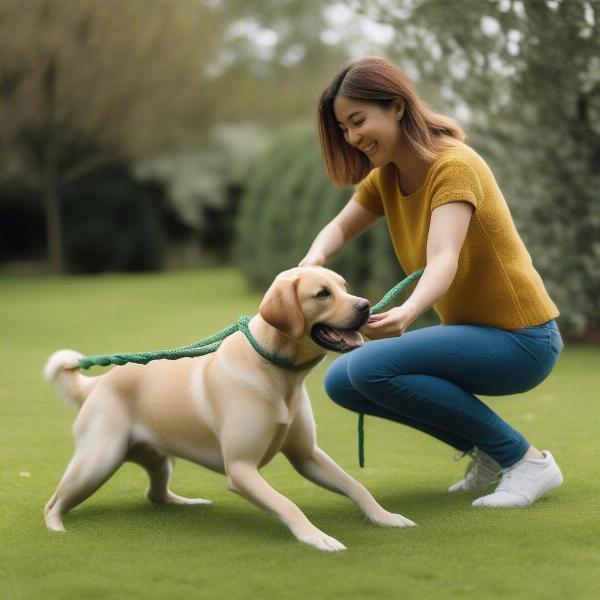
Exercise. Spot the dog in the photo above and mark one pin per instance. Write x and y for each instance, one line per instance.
(230, 411)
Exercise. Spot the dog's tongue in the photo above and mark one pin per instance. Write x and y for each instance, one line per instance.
(350, 337)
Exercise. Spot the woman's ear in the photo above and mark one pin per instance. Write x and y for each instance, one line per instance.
(281, 307)
(398, 109)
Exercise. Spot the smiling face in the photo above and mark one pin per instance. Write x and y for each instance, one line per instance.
(370, 128)
(313, 302)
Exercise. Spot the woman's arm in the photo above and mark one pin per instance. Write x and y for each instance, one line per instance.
(447, 231)
(352, 220)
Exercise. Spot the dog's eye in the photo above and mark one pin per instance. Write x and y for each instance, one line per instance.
(324, 293)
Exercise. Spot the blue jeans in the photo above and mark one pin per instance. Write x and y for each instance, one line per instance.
(427, 379)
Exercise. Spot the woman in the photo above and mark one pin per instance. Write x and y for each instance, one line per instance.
(446, 213)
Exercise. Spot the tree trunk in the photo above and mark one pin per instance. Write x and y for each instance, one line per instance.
(50, 187)
(50, 195)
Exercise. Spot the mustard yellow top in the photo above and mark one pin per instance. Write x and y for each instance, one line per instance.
(496, 283)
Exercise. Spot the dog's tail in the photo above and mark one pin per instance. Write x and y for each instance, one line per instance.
(62, 370)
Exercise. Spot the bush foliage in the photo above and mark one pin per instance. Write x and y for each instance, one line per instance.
(287, 201)
(111, 223)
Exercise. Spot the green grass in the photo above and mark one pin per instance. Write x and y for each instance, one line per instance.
(119, 546)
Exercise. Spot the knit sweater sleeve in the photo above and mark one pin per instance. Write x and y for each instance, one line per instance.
(368, 193)
(455, 180)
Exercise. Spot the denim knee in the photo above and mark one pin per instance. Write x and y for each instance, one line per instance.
(336, 381)
(363, 372)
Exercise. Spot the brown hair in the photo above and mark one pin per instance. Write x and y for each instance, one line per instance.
(381, 82)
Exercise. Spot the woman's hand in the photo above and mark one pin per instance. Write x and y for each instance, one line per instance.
(313, 259)
(391, 323)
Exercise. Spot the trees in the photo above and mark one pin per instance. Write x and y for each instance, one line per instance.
(277, 60)
(85, 82)
(529, 73)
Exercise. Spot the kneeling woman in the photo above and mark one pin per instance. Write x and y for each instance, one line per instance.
(446, 213)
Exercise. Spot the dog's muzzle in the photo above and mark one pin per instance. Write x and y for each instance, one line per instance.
(342, 338)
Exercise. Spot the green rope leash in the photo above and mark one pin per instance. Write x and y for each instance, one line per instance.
(199, 348)
(210, 344)
(379, 307)
(391, 295)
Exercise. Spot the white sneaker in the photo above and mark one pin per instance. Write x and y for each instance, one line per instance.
(482, 471)
(524, 482)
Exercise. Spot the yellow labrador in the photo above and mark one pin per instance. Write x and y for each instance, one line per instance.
(230, 411)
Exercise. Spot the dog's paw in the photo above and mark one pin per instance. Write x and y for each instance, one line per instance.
(171, 498)
(54, 523)
(388, 519)
(321, 541)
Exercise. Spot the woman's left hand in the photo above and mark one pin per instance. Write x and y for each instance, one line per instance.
(391, 323)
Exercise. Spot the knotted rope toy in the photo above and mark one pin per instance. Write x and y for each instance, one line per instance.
(210, 344)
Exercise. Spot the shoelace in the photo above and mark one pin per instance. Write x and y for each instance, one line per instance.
(506, 477)
(471, 466)
(478, 466)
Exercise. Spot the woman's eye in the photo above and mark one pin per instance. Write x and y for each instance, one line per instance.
(323, 294)
(359, 123)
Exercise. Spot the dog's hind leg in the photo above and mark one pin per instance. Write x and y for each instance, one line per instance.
(101, 443)
(159, 467)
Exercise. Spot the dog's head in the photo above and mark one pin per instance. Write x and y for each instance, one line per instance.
(313, 302)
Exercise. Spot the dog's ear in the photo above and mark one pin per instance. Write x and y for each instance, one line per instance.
(281, 307)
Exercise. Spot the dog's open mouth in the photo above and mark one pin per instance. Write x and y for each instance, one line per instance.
(338, 340)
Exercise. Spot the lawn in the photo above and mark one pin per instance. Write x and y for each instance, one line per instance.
(118, 545)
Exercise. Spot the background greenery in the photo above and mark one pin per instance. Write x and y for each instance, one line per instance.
(288, 198)
(118, 545)
(140, 135)
(203, 100)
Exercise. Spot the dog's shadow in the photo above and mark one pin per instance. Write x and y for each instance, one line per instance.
(237, 521)
(181, 521)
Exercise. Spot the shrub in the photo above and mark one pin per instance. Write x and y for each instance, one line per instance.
(287, 201)
(111, 223)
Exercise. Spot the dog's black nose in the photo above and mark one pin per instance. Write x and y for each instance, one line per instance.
(362, 306)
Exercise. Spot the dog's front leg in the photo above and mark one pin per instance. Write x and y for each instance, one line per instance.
(249, 437)
(319, 468)
(309, 460)
(244, 479)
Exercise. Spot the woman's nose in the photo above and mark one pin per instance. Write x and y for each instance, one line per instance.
(354, 138)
